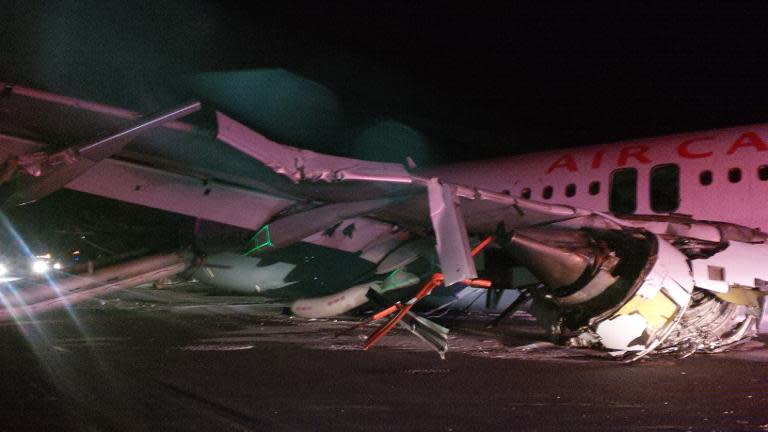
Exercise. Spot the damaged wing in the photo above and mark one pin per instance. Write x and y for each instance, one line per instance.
(171, 166)
(631, 285)
(627, 285)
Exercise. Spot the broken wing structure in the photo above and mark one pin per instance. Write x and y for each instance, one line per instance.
(632, 286)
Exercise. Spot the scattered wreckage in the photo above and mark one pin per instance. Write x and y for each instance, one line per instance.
(659, 285)
(632, 285)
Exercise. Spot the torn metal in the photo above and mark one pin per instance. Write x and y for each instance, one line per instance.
(630, 285)
(51, 172)
(655, 299)
(304, 165)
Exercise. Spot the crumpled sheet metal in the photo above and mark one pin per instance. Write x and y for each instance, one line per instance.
(711, 325)
(304, 165)
(653, 311)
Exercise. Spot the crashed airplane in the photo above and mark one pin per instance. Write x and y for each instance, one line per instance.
(649, 246)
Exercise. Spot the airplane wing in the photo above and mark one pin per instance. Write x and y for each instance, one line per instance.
(623, 284)
(176, 167)
(205, 173)
(626, 284)
(420, 204)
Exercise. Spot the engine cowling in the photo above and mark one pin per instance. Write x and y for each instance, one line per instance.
(624, 290)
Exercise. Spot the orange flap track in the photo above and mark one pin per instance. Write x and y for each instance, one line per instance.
(426, 289)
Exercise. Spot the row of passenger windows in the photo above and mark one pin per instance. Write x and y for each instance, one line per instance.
(734, 175)
(664, 185)
(570, 190)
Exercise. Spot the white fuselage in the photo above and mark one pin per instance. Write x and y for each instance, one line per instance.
(733, 157)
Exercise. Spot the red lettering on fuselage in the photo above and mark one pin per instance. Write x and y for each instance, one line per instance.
(567, 162)
(692, 148)
(747, 139)
(597, 159)
(637, 152)
(684, 149)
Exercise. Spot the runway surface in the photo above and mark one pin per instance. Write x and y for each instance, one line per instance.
(161, 360)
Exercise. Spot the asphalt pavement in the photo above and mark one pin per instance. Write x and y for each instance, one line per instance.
(162, 360)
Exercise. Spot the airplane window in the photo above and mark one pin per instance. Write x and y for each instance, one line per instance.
(623, 198)
(665, 188)
(526, 193)
(547, 192)
(594, 188)
(762, 172)
(734, 175)
(705, 178)
(570, 190)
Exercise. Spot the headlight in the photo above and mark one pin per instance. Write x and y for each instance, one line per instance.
(3, 270)
(40, 266)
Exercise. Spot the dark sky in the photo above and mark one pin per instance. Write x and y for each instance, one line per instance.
(476, 81)
(448, 83)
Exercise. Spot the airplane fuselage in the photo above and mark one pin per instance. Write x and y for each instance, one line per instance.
(715, 175)
(626, 290)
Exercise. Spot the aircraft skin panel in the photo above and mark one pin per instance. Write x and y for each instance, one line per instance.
(482, 209)
(357, 235)
(742, 148)
(176, 193)
(298, 164)
(51, 122)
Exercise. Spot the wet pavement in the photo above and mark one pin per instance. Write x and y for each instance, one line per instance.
(161, 360)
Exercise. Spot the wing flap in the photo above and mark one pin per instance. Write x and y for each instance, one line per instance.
(206, 199)
(452, 246)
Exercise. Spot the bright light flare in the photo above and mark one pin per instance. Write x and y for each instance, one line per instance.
(58, 266)
(40, 267)
(3, 270)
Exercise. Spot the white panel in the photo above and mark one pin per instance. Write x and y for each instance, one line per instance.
(617, 333)
(743, 263)
(179, 194)
(670, 272)
(353, 235)
(453, 249)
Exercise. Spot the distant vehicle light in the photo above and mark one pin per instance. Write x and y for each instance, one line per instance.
(40, 267)
(58, 266)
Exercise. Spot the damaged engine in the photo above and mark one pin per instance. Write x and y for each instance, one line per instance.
(665, 285)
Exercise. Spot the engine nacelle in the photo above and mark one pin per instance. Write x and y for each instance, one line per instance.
(633, 291)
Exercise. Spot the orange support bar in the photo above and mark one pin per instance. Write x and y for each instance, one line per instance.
(382, 331)
(388, 311)
(427, 288)
(478, 283)
(480, 246)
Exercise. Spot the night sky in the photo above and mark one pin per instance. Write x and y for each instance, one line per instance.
(447, 83)
(474, 81)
